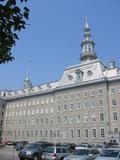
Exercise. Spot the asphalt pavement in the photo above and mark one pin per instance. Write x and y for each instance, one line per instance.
(8, 153)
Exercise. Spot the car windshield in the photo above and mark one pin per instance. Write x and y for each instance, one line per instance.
(81, 152)
(110, 153)
(32, 145)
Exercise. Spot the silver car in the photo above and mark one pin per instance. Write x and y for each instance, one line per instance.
(109, 154)
(83, 154)
(55, 153)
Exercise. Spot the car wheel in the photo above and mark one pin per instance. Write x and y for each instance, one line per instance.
(61, 158)
(35, 157)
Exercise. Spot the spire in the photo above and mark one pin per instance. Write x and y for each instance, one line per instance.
(27, 82)
(87, 45)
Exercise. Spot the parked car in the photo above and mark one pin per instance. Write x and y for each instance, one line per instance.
(32, 151)
(10, 143)
(109, 154)
(83, 154)
(20, 145)
(55, 153)
(83, 145)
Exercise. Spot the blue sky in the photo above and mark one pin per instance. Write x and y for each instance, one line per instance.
(52, 41)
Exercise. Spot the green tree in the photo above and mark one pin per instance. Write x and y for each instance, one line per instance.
(13, 16)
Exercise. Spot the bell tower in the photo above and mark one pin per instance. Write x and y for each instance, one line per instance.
(88, 53)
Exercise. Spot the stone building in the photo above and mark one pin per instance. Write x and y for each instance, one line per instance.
(83, 106)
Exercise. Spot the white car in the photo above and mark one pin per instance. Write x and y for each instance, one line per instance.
(83, 154)
(109, 154)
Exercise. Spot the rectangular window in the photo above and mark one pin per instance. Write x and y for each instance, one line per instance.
(113, 91)
(94, 133)
(93, 118)
(92, 92)
(93, 104)
(78, 133)
(71, 119)
(58, 120)
(100, 92)
(65, 107)
(71, 134)
(78, 119)
(65, 119)
(51, 133)
(101, 117)
(102, 133)
(85, 105)
(78, 95)
(86, 133)
(115, 130)
(115, 116)
(86, 119)
(41, 133)
(46, 133)
(78, 106)
(101, 103)
(114, 103)
(84, 93)
(64, 134)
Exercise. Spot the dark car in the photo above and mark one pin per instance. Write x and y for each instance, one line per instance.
(32, 151)
(20, 145)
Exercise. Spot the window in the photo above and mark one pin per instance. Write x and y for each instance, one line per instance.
(86, 133)
(113, 91)
(78, 119)
(51, 133)
(115, 130)
(65, 119)
(65, 97)
(102, 133)
(114, 103)
(64, 135)
(94, 133)
(71, 119)
(84, 93)
(93, 104)
(100, 92)
(101, 116)
(78, 95)
(115, 116)
(78, 133)
(41, 133)
(71, 107)
(58, 133)
(71, 133)
(65, 107)
(46, 120)
(93, 118)
(86, 119)
(89, 73)
(78, 106)
(46, 133)
(92, 92)
(101, 104)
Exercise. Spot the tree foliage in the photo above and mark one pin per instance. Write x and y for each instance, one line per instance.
(13, 16)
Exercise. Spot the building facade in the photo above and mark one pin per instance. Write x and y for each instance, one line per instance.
(83, 106)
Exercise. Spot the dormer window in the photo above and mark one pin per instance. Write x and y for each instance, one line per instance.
(79, 74)
(89, 73)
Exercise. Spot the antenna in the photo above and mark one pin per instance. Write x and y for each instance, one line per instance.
(28, 68)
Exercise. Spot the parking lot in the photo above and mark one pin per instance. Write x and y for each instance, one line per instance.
(8, 153)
